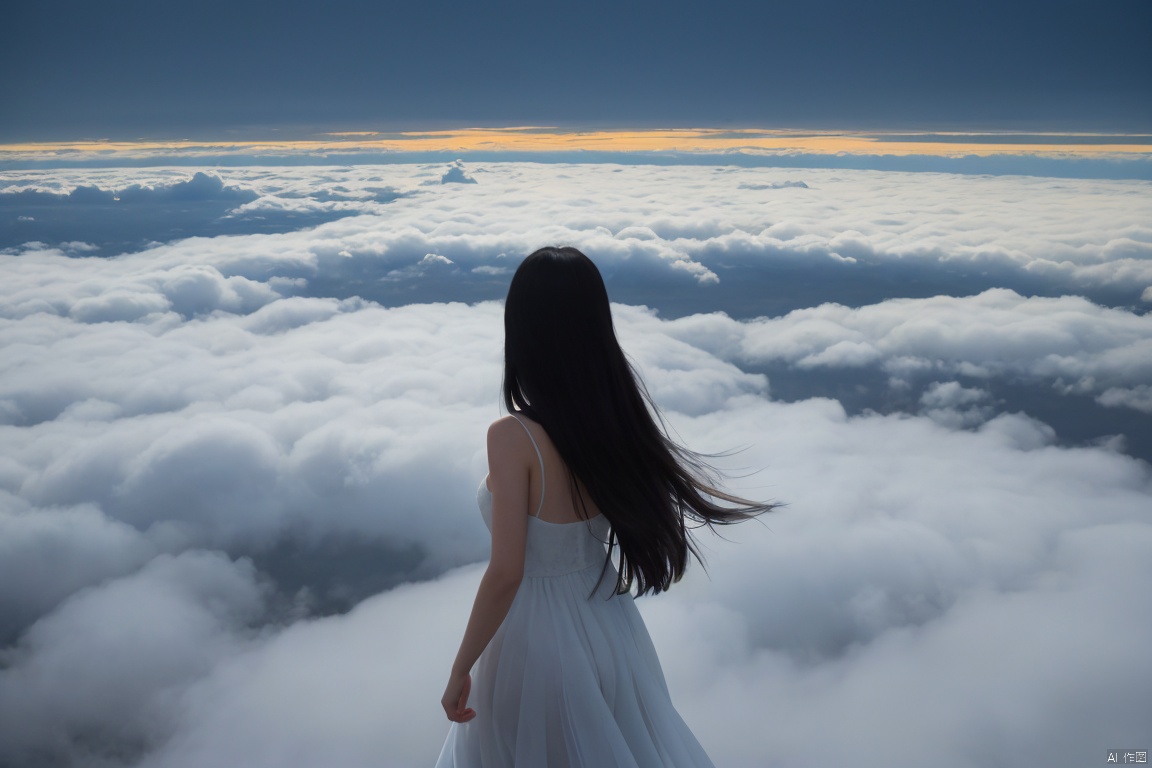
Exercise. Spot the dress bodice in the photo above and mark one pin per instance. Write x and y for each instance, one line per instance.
(554, 549)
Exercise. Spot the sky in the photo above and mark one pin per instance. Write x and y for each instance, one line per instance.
(71, 69)
(891, 262)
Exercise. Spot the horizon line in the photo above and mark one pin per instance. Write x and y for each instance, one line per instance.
(533, 139)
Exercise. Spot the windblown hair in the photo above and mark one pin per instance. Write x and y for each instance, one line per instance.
(564, 368)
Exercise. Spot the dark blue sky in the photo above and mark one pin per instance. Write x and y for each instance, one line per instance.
(129, 68)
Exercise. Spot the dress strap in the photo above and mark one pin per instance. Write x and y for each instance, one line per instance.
(541, 463)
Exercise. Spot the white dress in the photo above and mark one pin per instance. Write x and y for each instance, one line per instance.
(571, 678)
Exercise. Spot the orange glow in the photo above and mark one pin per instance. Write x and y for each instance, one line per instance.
(539, 139)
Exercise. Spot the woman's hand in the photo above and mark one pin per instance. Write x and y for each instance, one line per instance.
(456, 698)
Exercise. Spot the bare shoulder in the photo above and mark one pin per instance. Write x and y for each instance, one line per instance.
(507, 436)
(504, 427)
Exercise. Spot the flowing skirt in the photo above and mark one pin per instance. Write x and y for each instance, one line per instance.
(571, 680)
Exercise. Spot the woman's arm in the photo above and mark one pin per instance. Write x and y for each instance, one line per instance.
(510, 458)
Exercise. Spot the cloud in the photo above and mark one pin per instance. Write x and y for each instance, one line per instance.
(264, 404)
(201, 186)
(902, 581)
(125, 294)
(92, 681)
(856, 237)
(122, 212)
(311, 695)
(953, 405)
(48, 554)
(1067, 342)
(1138, 397)
(456, 175)
(774, 185)
(431, 262)
(856, 605)
(237, 520)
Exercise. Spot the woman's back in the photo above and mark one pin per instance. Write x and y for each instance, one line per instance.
(553, 547)
(559, 504)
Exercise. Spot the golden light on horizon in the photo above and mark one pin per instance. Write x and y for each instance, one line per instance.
(694, 140)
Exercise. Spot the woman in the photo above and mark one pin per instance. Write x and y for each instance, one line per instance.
(565, 673)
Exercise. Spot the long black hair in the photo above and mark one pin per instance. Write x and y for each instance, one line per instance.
(564, 368)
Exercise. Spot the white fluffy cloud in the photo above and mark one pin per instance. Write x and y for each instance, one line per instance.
(48, 554)
(1068, 341)
(896, 606)
(892, 577)
(191, 450)
(303, 405)
(700, 222)
(102, 667)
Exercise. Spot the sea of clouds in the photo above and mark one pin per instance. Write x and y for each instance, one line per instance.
(243, 415)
